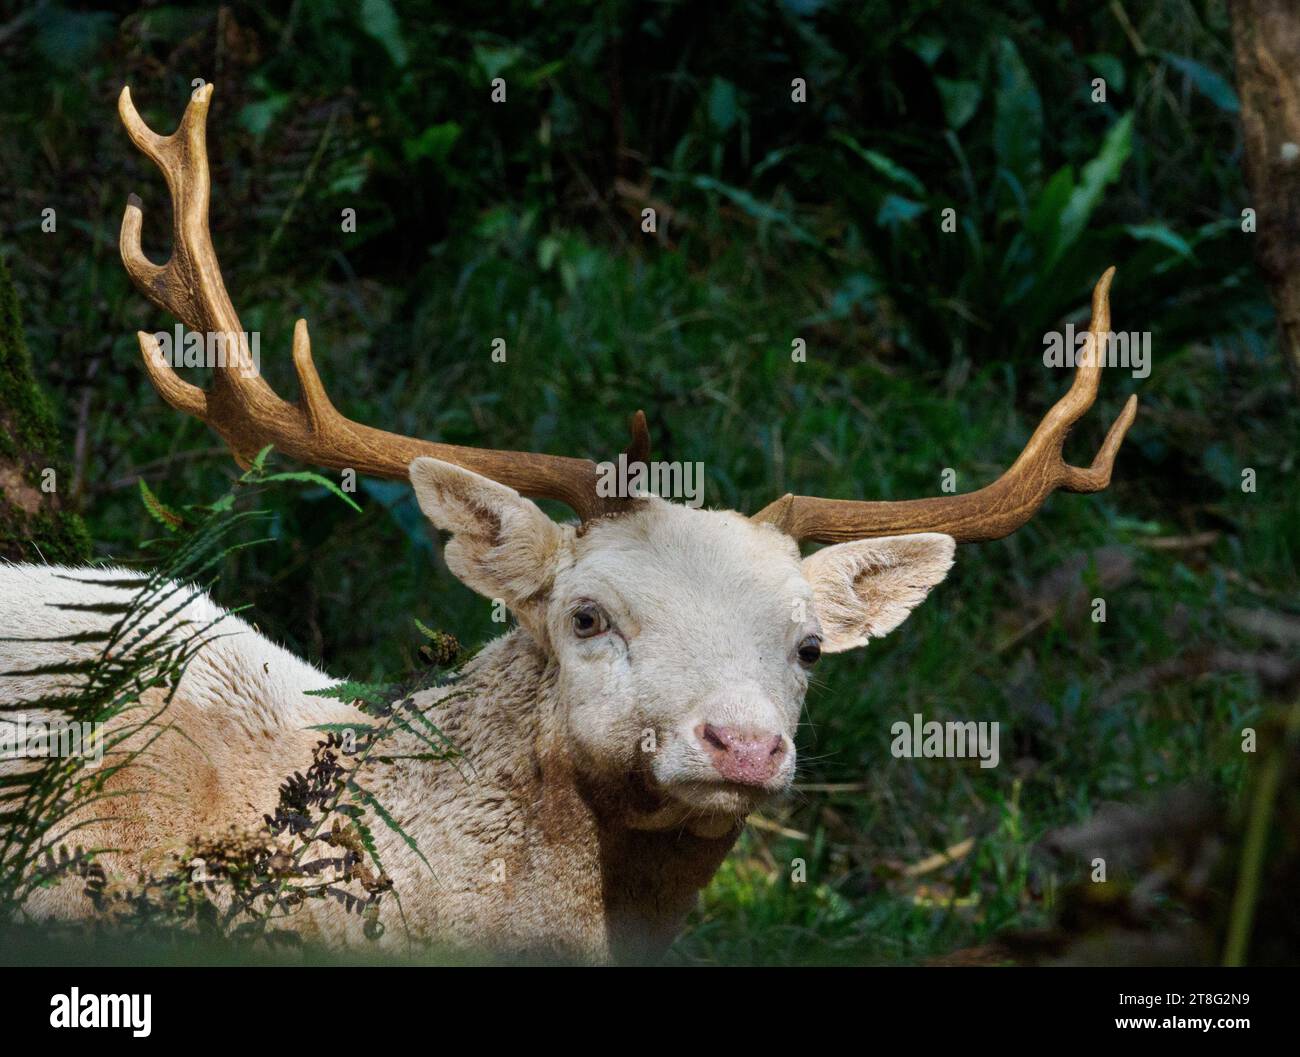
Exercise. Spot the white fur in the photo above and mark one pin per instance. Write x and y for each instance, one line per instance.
(587, 812)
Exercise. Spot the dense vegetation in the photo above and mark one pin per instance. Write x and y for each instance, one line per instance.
(777, 220)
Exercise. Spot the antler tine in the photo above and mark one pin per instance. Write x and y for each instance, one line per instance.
(180, 394)
(1000, 508)
(189, 285)
(638, 449)
(315, 402)
(240, 406)
(1081, 396)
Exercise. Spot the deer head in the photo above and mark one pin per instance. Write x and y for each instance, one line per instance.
(680, 641)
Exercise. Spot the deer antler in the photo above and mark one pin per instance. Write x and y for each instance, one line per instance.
(998, 509)
(240, 406)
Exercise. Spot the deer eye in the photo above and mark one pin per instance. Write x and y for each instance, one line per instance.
(589, 620)
(810, 651)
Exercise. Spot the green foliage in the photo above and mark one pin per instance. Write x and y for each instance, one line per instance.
(33, 523)
(776, 220)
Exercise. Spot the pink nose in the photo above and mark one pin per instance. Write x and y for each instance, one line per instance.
(743, 754)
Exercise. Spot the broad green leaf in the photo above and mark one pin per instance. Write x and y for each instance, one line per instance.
(379, 19)
(258, 117)
(885, 166)
(546, 72)
(434, 142)
(1109, 68)
(1104, 169)
(1017, 117)
(1164, 236)
(960, 100)
(1217, 90)
(896, 209)
(1044, 221)
(928, 48)
(760, 211)
(547, 250)
(495, 61)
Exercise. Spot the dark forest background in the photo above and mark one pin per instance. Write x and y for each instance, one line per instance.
(777, 220)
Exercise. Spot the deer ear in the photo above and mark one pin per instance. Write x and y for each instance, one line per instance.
(501, 545)
(865, 589)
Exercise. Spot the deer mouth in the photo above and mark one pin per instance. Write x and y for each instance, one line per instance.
(714, 797)
(693, 797)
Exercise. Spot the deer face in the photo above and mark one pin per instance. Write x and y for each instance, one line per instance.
(683, 640)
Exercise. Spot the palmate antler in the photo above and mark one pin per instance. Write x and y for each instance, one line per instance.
(248, 415)
(1000, 508)
(240, 406)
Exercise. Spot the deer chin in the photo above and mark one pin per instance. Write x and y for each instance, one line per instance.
(679, 815)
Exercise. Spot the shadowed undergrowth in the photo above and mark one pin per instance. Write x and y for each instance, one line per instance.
(924, 353)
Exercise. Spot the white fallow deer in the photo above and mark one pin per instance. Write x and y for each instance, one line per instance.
(617, 738)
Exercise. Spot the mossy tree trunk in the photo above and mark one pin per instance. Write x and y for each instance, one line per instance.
(1266, 39)
(34, 525)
